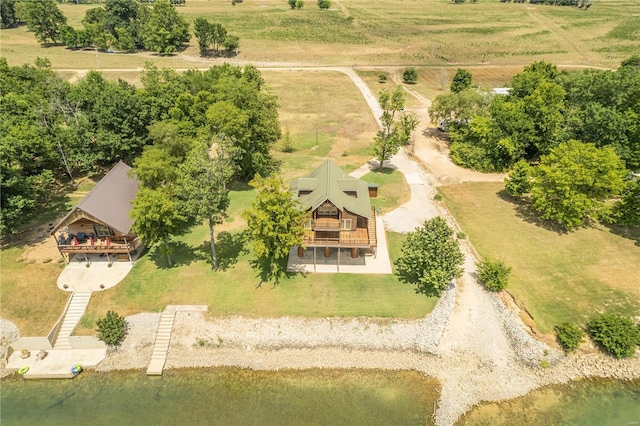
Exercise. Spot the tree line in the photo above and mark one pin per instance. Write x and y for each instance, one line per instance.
(580, 127)
(52, 130)
(123, 25)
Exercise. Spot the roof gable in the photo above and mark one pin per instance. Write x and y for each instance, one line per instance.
(330, 182)
(110, 201)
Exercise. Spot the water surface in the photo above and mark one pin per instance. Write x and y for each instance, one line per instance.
(226, 396)
(584, 403)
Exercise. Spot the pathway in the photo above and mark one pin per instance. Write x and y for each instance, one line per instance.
(161, 346)
(75, 311)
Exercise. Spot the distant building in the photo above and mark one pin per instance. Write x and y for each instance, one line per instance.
(501, 90)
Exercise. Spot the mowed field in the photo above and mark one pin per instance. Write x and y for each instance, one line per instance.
(396, 32)
(557, 277)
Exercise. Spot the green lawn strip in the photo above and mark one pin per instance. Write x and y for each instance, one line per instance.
(236, 290)
(392, 190)
(558, 277)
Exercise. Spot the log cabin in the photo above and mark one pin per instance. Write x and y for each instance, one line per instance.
(100, 223)
(339, 209)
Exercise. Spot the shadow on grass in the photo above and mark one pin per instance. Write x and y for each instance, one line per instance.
(265, 271)
(525, 211)
(229, 247)
(181, 254)
(630, 233)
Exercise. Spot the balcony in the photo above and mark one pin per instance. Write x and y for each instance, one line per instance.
(100, 246)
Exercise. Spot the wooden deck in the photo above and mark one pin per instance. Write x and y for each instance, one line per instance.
(360, 237)
(100, 247)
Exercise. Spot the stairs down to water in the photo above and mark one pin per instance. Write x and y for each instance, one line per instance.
(161, 346)
(75, 311)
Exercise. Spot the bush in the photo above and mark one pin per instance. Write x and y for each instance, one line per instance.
(437, 197)
(494, 274)
(461, 235)
(616, 334)
(324, 4)
(410, 75)
(569, 335)
(112, 328)
(382, 78)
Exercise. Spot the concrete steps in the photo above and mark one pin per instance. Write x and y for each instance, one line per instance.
(75, 311)
(161, 346)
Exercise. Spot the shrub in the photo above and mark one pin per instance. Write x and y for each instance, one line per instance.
(569, 335)
(324, 4)
(437, 197)
(287, 143)
(112, 328)
(616, 334)
(382, 78)
(410, 75)
(494, 274)
(461, 235)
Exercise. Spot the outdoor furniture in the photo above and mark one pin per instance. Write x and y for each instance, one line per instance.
(81, 236)
(41, 355)
(25, 354)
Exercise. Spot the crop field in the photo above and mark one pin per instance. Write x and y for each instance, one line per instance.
(395, 32)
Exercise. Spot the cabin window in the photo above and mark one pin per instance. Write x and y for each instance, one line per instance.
(102, 231)
(345, 225)
(327, 210)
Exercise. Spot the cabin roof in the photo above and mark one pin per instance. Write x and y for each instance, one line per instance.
(330, 182)
(110, 201)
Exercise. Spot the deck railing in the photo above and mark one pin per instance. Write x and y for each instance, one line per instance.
(310, 241)
(87, 247)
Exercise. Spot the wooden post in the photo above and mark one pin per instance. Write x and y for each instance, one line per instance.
(314, 259)
(338, 259)
(327, 251)
(300, 251)
(354, 252)
(128, 252)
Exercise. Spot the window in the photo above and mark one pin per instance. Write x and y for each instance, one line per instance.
(308, 224)
(327, 209)
(102, 231)
(345, 225)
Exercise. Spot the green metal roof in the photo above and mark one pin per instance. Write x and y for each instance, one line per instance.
(329, 182)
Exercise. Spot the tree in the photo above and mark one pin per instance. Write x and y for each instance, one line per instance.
(627, 210)
(201, 29)
(461, 81)
(574, 181)
(494, 274)
(112, 328)
(292, 3)
(393, 134)
(44, 19)
(616, 334)
(457, 107)
(275, 223)
(166, 30)
(324, 4)
(443, 78)
(519, 181)
(8, 15)
(204, 176)
(430, 257)
(410, 75)
(158, 215)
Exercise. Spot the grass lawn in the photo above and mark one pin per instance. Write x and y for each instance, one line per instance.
(29, 296)
(558, 277)
(327, 103)
(236, 290)
(392, 190)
